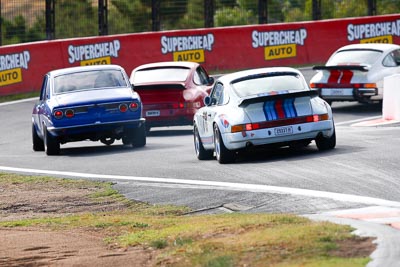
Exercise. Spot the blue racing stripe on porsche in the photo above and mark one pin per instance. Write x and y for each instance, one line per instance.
(271, 112)
(290, 109)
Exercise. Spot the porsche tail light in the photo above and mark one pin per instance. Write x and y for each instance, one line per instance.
(335, 85)
(365, 85)
(123, 107)
(69, 113)
(133, 106)
(278, 123)
(58, 114)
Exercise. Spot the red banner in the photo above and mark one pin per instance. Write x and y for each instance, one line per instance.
(219, 49)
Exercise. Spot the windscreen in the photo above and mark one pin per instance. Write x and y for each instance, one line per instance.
(269, 84)
(354, 57)
(157, 75)
(89, 80)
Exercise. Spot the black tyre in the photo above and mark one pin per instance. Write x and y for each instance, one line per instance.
(326, 143)
(107, 141)
(38, 144)
(128, 136)
(201, 153)
(148, 128)
(51, 144)
(222, 154)
(139, 136)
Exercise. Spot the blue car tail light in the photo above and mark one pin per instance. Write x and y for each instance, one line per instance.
(69, 113)
(133, 106)
(58, 114)
(123, 107)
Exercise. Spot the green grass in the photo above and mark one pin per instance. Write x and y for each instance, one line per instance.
(208, 240)
(18, 96)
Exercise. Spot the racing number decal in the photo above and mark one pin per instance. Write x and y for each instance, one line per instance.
(340, 76)
(204, 122)
(280, 109)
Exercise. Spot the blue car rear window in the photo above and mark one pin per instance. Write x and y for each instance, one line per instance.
(88, 80)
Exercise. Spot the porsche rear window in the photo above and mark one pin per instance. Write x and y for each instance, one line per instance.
(168, 74)
(261, 85)
(354, 57)
(88, 80)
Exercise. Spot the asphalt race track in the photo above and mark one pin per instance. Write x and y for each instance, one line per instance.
(361, 171)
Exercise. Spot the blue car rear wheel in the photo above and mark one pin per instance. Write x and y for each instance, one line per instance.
(38, 144)
(51, 144)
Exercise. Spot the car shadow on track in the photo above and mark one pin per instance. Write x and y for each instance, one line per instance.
(169, 132)
(97, 150)
(270, 155)
(355, 108)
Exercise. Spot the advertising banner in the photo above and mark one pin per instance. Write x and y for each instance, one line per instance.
(219, 49)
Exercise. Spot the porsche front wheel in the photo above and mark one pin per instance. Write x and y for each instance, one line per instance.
(222, 154)
(201, 153)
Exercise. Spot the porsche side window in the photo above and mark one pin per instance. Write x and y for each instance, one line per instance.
(217, 95)
(392, 59)
(396, 56)
(200, 77)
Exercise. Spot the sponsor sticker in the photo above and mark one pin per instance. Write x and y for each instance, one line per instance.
(280, 51)
(387, 39)
(191, 55)
(96, 61)
(12, 76)
(187, 48)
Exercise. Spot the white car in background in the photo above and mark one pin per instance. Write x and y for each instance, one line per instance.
(266, 106)
(355, 72)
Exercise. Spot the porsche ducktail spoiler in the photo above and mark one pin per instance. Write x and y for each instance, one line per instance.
(341, 67)
(251, 100)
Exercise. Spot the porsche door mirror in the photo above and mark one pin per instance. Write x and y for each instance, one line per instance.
(207, 101)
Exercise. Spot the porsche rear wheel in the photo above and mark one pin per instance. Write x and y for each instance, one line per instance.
(326, 143)
(222, 154)
(38, 144)
(51, 144)
(201, 153)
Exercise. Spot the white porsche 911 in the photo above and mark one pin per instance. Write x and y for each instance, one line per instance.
(355, 72)
(266, 106)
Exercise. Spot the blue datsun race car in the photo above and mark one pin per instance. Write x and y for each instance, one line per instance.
(266, 106)
(87, 103)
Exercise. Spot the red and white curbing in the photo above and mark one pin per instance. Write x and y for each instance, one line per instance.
(376, 122)
(374, 214)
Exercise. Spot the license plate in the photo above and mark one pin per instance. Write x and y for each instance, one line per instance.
(337, 92)
(284, 130)
(152, 113)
